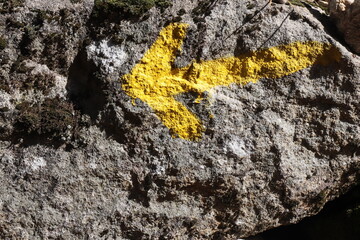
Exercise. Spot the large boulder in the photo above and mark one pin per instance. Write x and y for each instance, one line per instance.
(346, 14)
(109, 131)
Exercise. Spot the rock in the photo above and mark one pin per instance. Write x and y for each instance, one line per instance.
(324, 4)
(109, 165)
(339, 219)
(346, 14)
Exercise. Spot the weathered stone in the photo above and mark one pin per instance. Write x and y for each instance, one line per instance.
(271, 152)
(346, 14)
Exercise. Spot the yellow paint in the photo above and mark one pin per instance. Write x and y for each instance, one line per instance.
(156, 82)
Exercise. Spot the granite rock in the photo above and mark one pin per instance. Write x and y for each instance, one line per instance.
(346, 14)
(79, 158)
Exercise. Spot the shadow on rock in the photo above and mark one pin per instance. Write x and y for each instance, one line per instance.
(85, 88)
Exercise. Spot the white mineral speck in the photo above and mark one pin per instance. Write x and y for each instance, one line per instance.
(35, 163)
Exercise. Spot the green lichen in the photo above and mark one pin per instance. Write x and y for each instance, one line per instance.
(162, 4)
(297, 3)
(8, 6)
(312, 3)
(52, 118)
(4, 85)
(128, 7)
(2, 43)
(12, 23)
(39, 82)
(25, 81)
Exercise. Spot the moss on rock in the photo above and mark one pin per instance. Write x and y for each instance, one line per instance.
(7, 6)
(128, 7)
(312, 3)
(2, 43)
(52, 118)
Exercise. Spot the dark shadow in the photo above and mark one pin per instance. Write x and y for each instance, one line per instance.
(241, 47)
(29, 140)
(339, 220)
(107, 12)
(320, 71)
(139, 191)
(45, 124)
(86, 86)
(113, 126)
(276, 30)
(85, 89)
(329, 25)
(204, 8)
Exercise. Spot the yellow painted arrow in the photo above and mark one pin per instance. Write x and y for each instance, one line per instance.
(156, 82)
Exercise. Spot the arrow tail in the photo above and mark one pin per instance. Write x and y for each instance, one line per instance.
(272, 63)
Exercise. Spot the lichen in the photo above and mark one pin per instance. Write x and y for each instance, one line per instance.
(156, 82)
(7, 6)
(2, 43)
(312, 3)
(129, 7)
(28, 81)
(51, 118)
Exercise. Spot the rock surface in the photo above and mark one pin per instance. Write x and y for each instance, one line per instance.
(347, 17)
(79, 158)
(339, 219)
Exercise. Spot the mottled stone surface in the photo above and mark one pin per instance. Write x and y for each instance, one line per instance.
(346, 14)
(80, 160)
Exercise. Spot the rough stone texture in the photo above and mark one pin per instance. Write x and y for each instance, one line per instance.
(346, 14)
(339, 219)
(274, 152)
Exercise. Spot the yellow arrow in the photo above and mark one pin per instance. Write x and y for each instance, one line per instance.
(156, 82)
